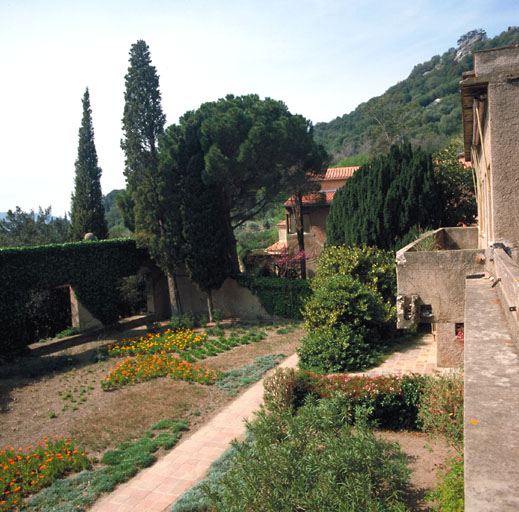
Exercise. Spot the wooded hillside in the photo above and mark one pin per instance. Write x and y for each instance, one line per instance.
(423, 109)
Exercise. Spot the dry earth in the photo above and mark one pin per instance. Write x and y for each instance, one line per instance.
(65, 399)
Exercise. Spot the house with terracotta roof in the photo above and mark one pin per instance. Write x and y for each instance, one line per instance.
(316, 207)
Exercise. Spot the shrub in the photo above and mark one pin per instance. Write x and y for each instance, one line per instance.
(311, 461)
(187, 321)
(336, 350)
(93, 269)
(369, 265)
(288, 388)
(391, 402)
(441, 407)
(349, 316)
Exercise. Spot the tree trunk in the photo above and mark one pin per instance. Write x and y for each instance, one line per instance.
(176, 295)
(297, 208)
(233, 253)
(210, 305)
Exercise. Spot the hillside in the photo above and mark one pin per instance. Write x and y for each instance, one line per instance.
(423, 109)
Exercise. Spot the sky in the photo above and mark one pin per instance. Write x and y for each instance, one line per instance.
(321, 57)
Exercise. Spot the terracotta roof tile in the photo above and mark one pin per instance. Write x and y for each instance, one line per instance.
(317, 198)
(339, 173)
(277, 247)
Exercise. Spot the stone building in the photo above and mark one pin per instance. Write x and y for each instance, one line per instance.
(316, 208)
(465, 282)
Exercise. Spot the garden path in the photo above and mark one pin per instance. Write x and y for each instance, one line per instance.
(158, 487)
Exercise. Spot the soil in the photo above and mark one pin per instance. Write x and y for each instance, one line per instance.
(60, 394)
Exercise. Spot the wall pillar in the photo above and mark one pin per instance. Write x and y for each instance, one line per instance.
(449, 350)
(82, 319)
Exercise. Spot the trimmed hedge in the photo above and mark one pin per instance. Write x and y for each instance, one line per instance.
(91, 268)
(281, 297)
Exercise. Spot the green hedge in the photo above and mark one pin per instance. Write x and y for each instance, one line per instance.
(91, 268)
(282, 297)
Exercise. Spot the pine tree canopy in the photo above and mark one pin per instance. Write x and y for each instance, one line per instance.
(87, 210)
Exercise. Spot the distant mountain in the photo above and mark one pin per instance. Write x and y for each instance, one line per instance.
(424, 108)
(3, 215)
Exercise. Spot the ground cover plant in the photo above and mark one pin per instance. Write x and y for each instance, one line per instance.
(80, 491)
(24, 472)
(450, 492)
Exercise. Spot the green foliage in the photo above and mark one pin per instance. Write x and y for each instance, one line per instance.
(288, 388)
(69, 331)
(205, 239)
(384, 200)
(371, 266)
(187, 321)
(91, 268)
(456, 186)
(261, 231)
(441, 408)
(450, 492)
(311, 461)
(350, 315)
(125, 206)
(87, 210)
(353, 161)
(113, 216)
(345, 320)
(282, 297)
(408, 109)
(21, 228)
(389, 402)
(150, 206)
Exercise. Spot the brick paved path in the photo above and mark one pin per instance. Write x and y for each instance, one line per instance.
(157, 488)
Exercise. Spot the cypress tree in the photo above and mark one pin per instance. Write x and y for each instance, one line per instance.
(151, 183)
(205, 244)
(385, 199)
(87, 210)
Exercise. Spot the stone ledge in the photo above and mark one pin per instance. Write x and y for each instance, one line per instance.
(491, 403)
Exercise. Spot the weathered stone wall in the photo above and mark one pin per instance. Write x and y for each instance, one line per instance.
(497, 159)
(231, 299)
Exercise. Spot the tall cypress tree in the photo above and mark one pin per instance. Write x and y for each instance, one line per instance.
(87, 210)
(151, 186)
(385, 199)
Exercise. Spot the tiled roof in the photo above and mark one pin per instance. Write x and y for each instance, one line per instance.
(317, 198)
(281, 223)
(339, 173)
(277, 247)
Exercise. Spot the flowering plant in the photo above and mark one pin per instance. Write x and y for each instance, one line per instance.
(147, 367)
(24, 472)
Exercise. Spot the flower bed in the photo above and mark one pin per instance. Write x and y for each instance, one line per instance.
(143, 368)
(24, 472)
(156, 343)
